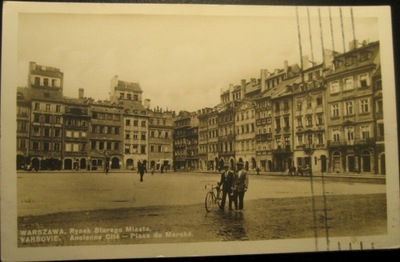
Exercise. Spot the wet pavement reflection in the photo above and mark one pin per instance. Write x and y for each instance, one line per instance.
(229, 225)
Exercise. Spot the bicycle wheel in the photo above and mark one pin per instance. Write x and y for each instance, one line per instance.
(209, 201)
(219, 198)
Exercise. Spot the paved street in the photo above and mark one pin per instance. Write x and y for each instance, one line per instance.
(94, 208)
(45, 193)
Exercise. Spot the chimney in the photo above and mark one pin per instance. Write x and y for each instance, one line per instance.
(243, 87)
(353, 44)
(285, 66)
(264, 75)
(81, 93)
(306, 62)
(147, 104)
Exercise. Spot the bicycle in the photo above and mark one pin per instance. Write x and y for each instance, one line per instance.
(213, 197)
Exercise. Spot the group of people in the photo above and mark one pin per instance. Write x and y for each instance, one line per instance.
(301, 171)
(234, 186)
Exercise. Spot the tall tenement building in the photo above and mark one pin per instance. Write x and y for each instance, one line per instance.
(354, 111)
(327, 116)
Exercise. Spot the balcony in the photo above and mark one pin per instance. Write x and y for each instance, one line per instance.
(308, 148)
(282, 150)
(264, 137)
(364, 142)
(339, 143)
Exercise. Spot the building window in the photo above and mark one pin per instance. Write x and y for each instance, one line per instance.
(37, 81)
(381, 132)
(320, 119)
(309, 102)
(101, 145)
(143, 149)
(319, 101)
(309, 120)
(35, 146)
(37, 106)
(121, 95)
(57, 132)
(135, 122)
(349, 131)
(127, 135)
(336, 136)
(93, 144)
(320, 138)
(363, 80)
(129, 96)
(46, 82)
(365, 132)
(117, 130)
(143, 136)
(300, 139)
(47, 119)
(364, 106)
(22, 144)
(286, 119)
(36, 131)
(143, 123)
(335, 110)
(348, 84)
(278, 123)
(334, 87)
(57, 146)
(47, 132)
(46, 146)
(135, 97)
(36, 118)
(379, 106)
(126, 150)
(299, 121)
(349, 108)
(116, 146)
(108, 145)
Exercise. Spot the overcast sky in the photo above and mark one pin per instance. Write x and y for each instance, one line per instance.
(181, 62)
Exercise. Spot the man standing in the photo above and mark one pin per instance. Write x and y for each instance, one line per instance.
(227, 187)
(141, 170)
(241, 184)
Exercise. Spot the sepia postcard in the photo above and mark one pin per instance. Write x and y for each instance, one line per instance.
(167, 130)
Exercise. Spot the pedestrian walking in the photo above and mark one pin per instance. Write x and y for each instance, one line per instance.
(241, 182)
(141, 170)
(226, 185)
(152, 170)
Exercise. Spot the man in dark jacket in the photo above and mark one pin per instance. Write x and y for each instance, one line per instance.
(227, 186)
(241, 183)
(141, 170)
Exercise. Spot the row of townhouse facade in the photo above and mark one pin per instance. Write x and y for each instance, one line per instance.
(326, 116)
(55, 132)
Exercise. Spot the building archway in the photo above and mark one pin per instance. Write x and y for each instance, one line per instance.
(35, 164)
(323, 163)
(366, 161)
(82, 163)
(336, 161)
(21, 162)
(221, 164)
(382, 164)
(253, 163)
(129, 163)
(68, 164)
(115, 163)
